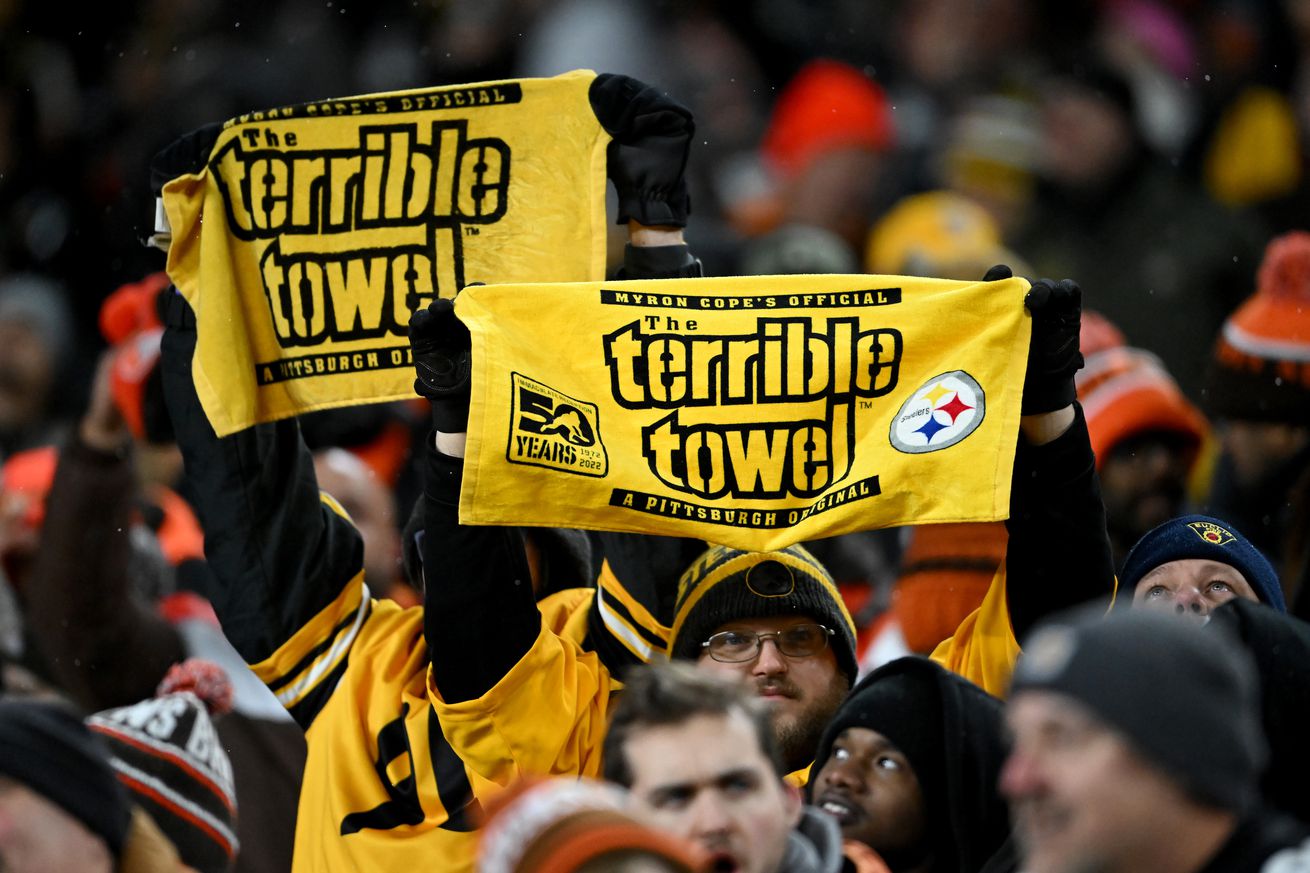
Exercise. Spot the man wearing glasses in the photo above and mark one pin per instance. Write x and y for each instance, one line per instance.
(777, 621)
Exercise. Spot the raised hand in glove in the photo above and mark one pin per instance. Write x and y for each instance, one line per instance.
(650, 137)
(1053, 354)
(443, 363)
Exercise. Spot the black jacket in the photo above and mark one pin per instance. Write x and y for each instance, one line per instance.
(1263, 844)
(960, 730)
(1279, 645)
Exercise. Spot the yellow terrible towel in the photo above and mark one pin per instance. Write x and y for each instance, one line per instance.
(313, 231)
(754, 412)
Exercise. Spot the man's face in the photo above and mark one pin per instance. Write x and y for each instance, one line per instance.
(1080, 798)
(870, 788)
(803, 692)
(1191, 587)
(1086, 138)
(708, 780)
(1144, 483)
(36, 836)
(1256, 448)
(26, 371)
(369, 505)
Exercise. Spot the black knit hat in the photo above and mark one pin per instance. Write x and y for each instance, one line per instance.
(48, 749)
(1184, 697)
(725, 585)
(1203, 538)
(904, 705)
(951, 731)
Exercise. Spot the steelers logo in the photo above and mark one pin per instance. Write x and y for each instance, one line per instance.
(770, 579)
(1212, 533)
(944, 411)
(1047, 654)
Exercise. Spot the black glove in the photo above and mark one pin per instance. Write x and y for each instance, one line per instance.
(1053, 355)
(186, 154)
(443, 361)
(650, 137)
(660, 262)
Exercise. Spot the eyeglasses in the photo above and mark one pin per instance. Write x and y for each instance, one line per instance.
(797, 641)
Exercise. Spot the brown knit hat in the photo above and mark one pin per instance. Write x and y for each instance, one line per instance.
(1261, 366)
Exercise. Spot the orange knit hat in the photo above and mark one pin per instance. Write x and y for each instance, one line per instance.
(1261, 367)
(945, 573)
(1126, 391)
(557, 825)
(827, 105)
(1098, 333)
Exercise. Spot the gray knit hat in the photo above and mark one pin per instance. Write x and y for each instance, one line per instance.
(42, 305)
(1185, 697)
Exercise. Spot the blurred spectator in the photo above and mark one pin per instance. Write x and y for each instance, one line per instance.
(1256, 153)
(1250, 149)
(379, 434)
(129, 322)
(131, 635)
(953, 69)
(604, 35)
(989, 153)
(36, 337)
(1152, 43)
(1146, 436)
(577, 826)
(102, 629)
(1258, 388)
(61, 809)
(1279, 646)
(370, 506)
(822, 152)
(1137, 746)
(946, 571)
(795, 249)
(1154, 253)
(939, 234)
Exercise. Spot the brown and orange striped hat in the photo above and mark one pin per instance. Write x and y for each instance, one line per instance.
(1261, 366)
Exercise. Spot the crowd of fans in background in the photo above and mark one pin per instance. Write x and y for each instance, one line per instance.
(1158, 151)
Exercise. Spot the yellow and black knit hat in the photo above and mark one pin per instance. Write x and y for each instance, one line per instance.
(725, 585)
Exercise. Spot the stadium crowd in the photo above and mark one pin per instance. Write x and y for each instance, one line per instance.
(279, 648)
